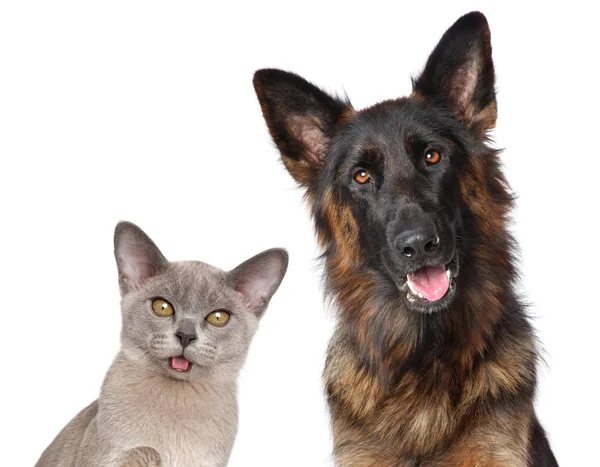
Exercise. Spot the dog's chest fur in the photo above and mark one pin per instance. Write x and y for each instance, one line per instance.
(423, 417)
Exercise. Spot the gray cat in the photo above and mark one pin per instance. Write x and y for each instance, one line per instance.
(169, 398)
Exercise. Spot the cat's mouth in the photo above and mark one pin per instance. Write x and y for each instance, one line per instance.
(180, 364)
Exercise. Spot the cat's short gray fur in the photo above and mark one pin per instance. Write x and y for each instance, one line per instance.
(148, 414)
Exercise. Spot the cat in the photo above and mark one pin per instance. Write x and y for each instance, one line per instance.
(169, 397)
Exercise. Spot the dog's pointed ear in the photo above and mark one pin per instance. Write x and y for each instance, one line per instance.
(300, 117)
(460, 74)
(138, 258)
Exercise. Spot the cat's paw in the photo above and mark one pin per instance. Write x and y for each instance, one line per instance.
(142, 456)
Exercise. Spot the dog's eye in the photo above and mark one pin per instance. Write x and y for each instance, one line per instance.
(218, 318)
(432, 157)
(162, 308)
(361, 176)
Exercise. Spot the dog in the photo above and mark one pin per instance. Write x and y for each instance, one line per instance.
(433, 360)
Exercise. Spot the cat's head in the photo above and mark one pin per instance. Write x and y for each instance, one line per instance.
(187, 319)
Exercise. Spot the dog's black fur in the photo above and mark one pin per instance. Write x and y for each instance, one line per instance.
(400, 186)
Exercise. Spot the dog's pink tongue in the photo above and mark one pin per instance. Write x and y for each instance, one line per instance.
(180, 363)
(431, 282)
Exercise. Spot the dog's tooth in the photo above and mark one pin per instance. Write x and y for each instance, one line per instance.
(448, 273)
(420, 295)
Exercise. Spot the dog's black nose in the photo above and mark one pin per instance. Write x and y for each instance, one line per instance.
(418, 243)
(185, 338)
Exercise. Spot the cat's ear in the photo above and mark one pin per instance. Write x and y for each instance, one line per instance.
(258, 278)
(460, 74)
(138, 258)
(300, 117)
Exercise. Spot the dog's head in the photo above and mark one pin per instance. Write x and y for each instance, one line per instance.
(395, 187)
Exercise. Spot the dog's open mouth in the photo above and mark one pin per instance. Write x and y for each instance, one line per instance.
(180, 364)
(431, 283)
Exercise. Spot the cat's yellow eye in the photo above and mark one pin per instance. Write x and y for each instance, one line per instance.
(162, 308)
(218, 318)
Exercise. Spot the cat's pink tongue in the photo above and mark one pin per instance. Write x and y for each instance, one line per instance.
(180, 363)
(431, 282)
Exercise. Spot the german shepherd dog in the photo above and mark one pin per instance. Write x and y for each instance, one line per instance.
(433, 360)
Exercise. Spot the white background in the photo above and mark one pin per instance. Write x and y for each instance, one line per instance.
(145, 111)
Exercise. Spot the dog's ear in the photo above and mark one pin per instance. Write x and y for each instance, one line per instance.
(460, 74)
(300, 117)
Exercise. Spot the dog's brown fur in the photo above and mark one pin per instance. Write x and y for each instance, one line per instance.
(454, 388)
(451, 406)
